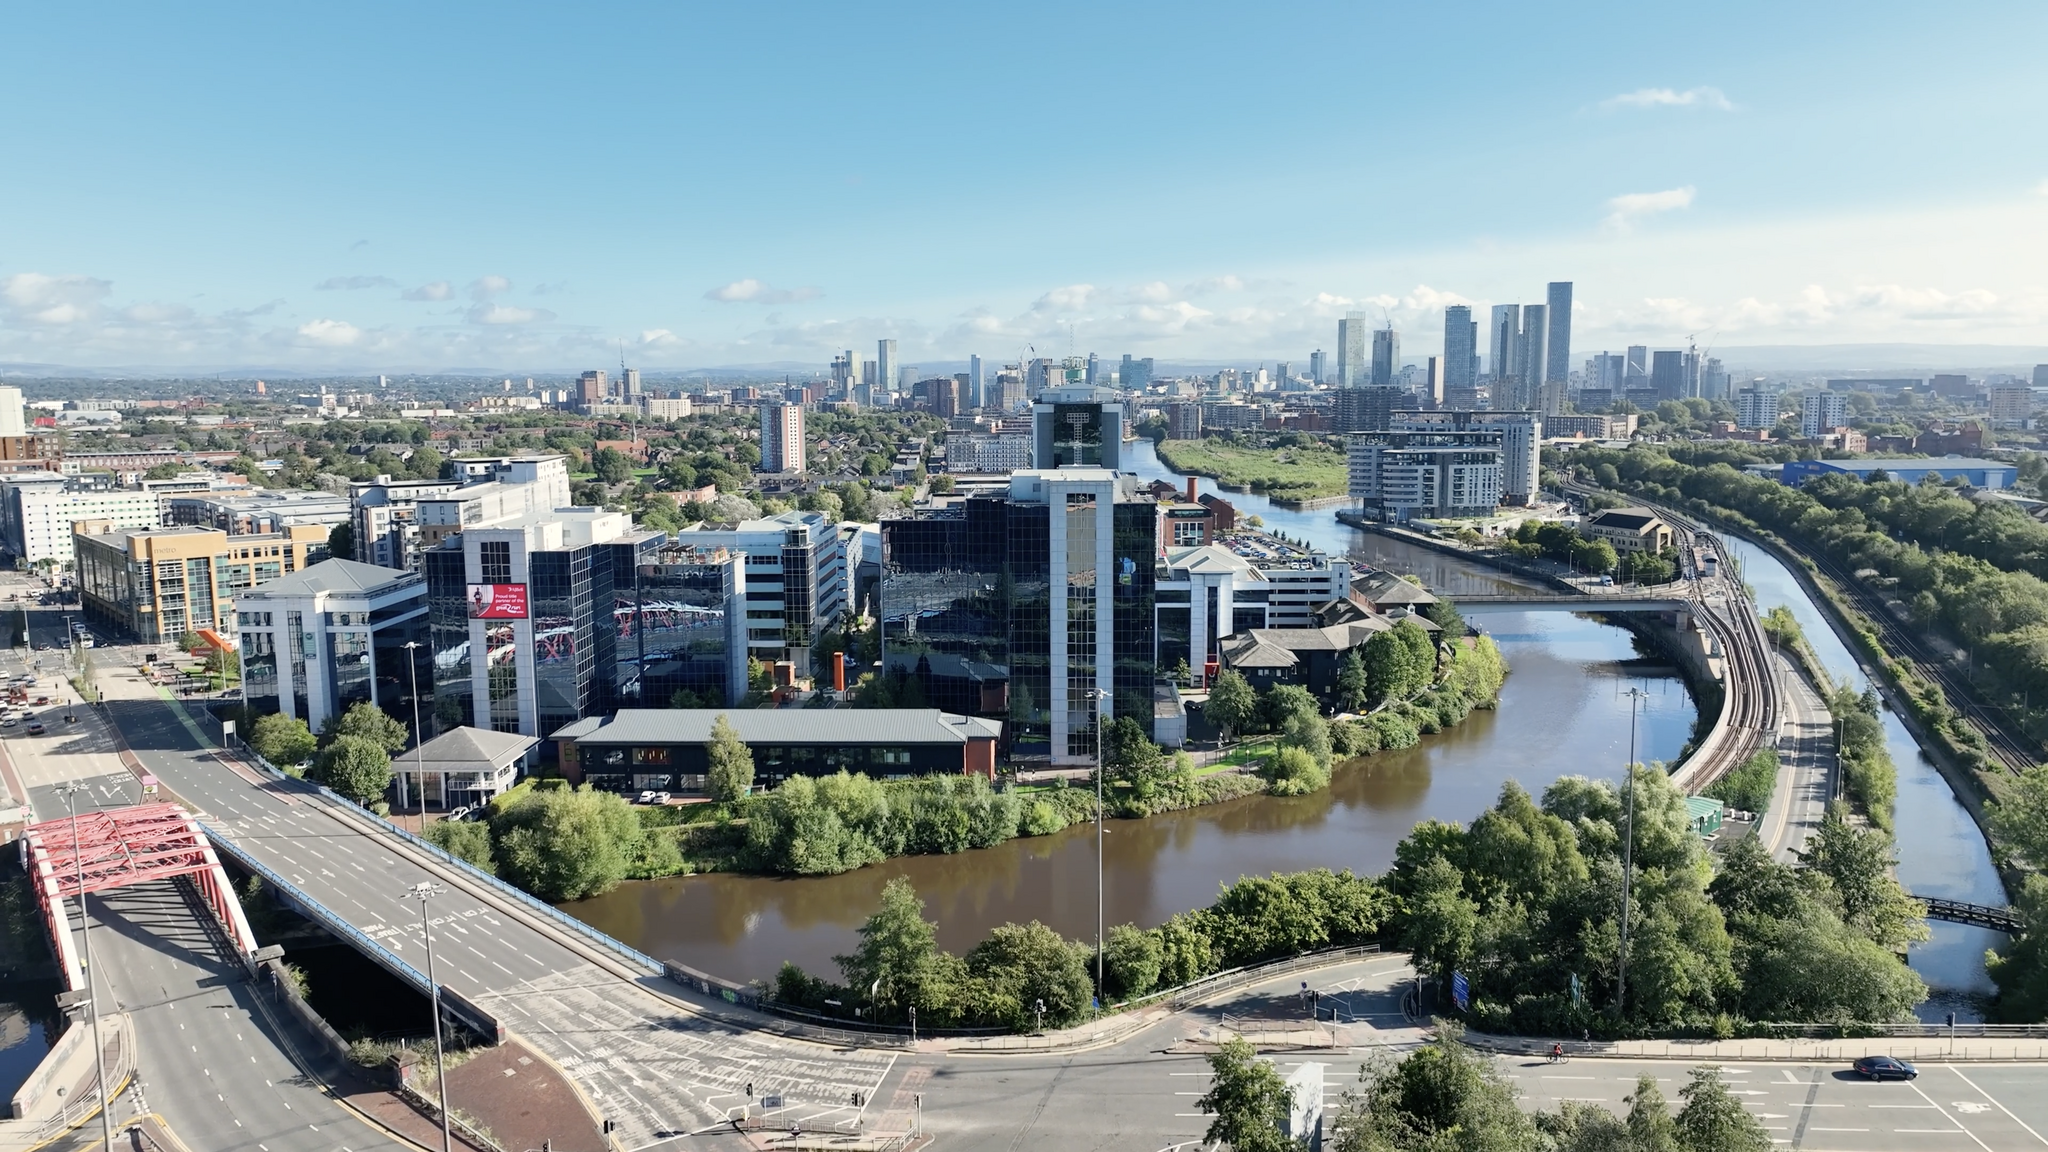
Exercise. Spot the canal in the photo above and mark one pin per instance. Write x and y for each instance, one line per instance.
(1941, 851)
(1563, 711)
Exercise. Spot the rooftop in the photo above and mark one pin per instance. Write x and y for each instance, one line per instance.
(344, 576)
(782, 726)
(467, 749)
(1867, 465)
(1626, 519)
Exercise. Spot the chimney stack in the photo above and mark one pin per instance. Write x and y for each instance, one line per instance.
(1191, 491)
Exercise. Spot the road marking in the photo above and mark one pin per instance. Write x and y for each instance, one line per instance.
(1995, 1103)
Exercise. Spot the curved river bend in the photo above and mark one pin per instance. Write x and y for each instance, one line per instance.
(1562, 712)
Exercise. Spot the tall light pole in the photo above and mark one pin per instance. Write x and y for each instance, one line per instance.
(419, 757)
(92, 1000)
(1628, 847)
(424, 891)
(1094, 697)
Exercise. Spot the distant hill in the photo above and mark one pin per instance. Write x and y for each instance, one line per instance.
(1879, 359)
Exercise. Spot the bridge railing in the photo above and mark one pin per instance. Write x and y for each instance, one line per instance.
(541, 907)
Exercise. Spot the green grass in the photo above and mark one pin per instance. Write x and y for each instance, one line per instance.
(1250, 752)
(1300, 473)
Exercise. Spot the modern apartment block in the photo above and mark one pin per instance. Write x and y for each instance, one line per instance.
(1386, 357)
(1353, 369)
(496, 492)
(1558, 303)
(1461, 347)
(797, 580)
(782, 438)
(1033, 605)
(37, 510)
(1821, 411)
(988, 452)
(317, 642)
(1401, 476)
(1756, 409)
(160, 583)
(1521, 443)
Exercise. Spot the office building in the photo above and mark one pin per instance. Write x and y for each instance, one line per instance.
(1756, 408)
(1821, 412)
(1401, 476)
(977, 387)
(1974, 472)
(782, 438)
(990, 452)
(385, 514)
(1558, 307)
(1636, 370)
(1502, 359)
(37, 510)
(1077, 427)
(2041, 375)
(884, 378)
(240, 512)
(1243, 580)
(1088, 376)
(1590, 427)
(1667, 375)
(1461, 348)
(629, 385)
(1136, 374)
(318, 642)
(160, 583)
(666, 749)
(11, 421)
(1607, 372)
(1034, 606)
(1714, 380)
(1433, 383)
(2011, 405)
(592, 388)
(1184, 420)
(1317, 372)
(1521, 443)
(1352, 365)
(1386, 357)
(796, 579)
(496, 490)
(1953, 387)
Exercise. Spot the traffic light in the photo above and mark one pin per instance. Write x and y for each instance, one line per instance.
(610, 1127)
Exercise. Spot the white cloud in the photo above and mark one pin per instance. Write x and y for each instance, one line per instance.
(1623, 211)
(1671, 98)
(660, 338)
(153, 313)
(1071, 298)
(486, 313)
(1225, 283)
(42, 299)
(354, 283)
(752, 291)
(438, 290)
(484, 287)
(2041, 189)
(330, 333)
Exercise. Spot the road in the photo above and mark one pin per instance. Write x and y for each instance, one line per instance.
(1806, 766)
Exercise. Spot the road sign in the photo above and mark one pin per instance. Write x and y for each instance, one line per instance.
(148, 785)
(1461, 992)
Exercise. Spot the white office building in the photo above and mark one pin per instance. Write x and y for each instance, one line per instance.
(37, 510)
(797, 582)
(988, 452)
(318, 642)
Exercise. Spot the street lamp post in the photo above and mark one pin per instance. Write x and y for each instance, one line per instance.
(92, 1000)
(419, 760)
(1628, 845)
(424, 891)
(1094, 697)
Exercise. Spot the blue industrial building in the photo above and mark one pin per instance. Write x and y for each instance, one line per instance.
(1972, 471)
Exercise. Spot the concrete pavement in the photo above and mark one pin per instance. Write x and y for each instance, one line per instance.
(1806, 767)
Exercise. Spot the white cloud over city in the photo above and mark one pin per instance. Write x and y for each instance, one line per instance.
(1711, 98)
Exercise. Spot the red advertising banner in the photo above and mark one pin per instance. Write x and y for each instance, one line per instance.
(497, 601)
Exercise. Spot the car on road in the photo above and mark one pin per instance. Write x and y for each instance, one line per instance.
(9, 722)
(1885, 1068)
(35, 728)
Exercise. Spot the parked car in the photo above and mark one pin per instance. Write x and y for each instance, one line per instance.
(9, 722)
(1885, 1068)
(644, 798)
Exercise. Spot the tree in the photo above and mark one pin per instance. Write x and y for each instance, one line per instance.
(566, 845)
(730, 775)
(1443, 1096)
(1294, 772)
(1131, 959)
(1442, 920)
(1232, 704)
(612, 466)
(1713, 1120)
(1392, 670)
(1857, 864)
(1446, 617)
(224, 663)
(1022, 964)
(341, 542)
(1650, 1127)
(358, 769)
(1248, 1099)
(895, 942)
(366, 720)
(2020, 819)
(1130, 756)
(464, 840)
(282, 740)
(191, 641)
(728, 508)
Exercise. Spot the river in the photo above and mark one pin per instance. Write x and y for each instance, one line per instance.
(1941, 851)
(1562, 711)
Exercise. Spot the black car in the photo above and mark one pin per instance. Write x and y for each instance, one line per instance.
(1885, 1068)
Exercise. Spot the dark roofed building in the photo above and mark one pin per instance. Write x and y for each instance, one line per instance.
(461, 767)
(1628, 529)
(1310, 657)
(1384, 591)
(663, 749)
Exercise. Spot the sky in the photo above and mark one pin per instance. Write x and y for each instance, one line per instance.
(539, 188)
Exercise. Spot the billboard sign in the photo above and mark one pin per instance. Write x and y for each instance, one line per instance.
(497, 601)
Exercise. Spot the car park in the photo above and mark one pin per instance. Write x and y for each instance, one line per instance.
(1885, 1068)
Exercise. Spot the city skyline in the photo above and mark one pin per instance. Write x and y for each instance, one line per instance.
(245, 193)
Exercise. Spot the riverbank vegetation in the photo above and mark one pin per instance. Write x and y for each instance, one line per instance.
(1001, 982)
(1747, 787)
(1869, 777)
(1286, 465)
(1525, 903)
(2019, 821)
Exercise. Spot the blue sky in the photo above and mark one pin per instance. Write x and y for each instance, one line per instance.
(520, 187)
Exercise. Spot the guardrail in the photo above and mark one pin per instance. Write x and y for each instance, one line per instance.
(484, 1024)
(1980, 915)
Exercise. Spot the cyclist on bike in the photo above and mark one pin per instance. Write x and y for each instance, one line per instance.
(1557, 1051)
